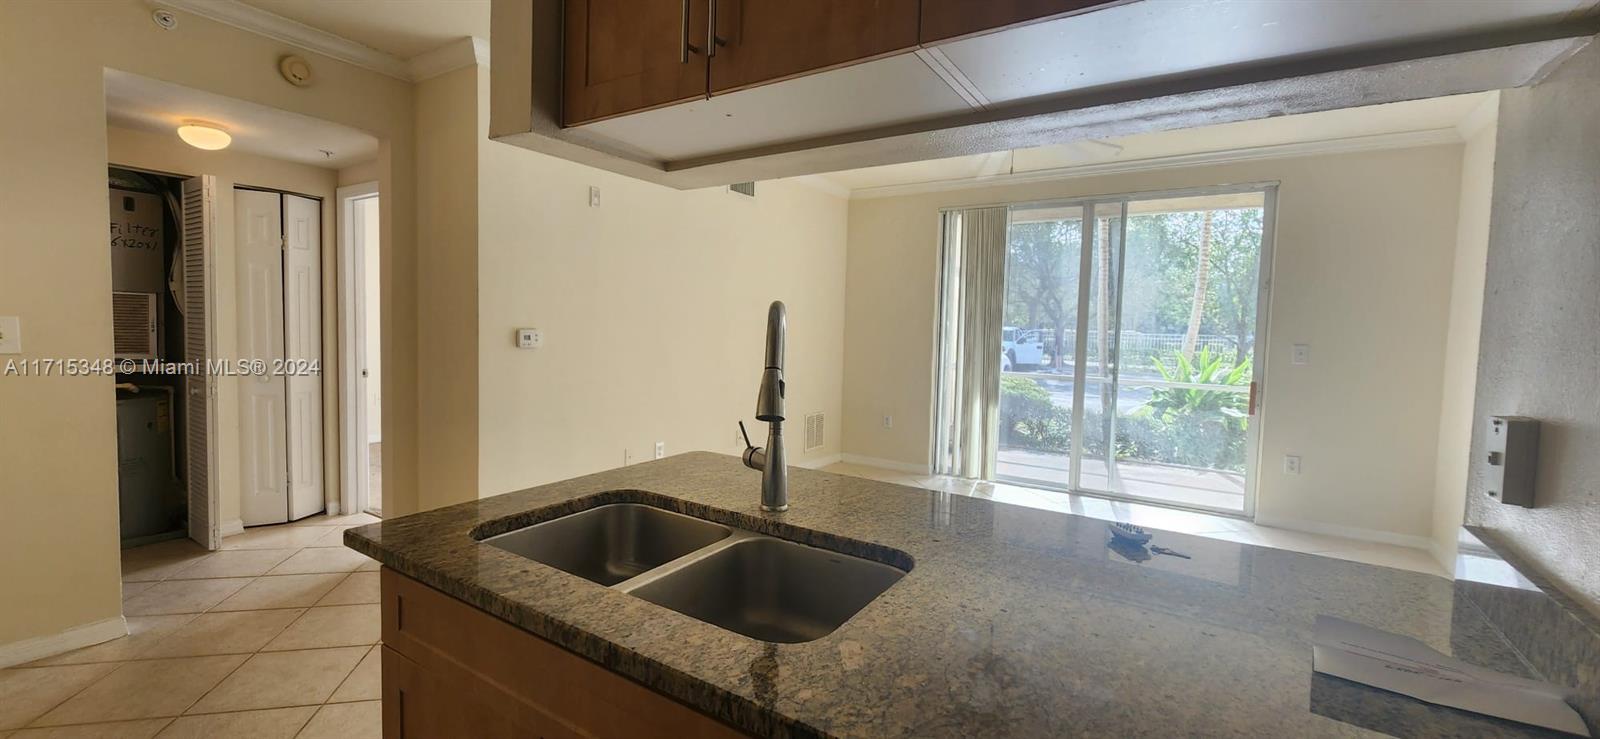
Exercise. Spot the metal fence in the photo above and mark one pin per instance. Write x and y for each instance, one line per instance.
(1137, 348)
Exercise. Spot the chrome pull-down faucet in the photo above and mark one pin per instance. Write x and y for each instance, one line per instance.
(769, 407)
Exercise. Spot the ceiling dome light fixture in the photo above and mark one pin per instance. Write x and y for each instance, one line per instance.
(202, 135)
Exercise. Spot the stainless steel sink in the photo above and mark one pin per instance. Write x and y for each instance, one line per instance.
(769, 589)
(611, 543)
(760, 586)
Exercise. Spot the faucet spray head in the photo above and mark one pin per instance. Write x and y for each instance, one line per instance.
(769, 403)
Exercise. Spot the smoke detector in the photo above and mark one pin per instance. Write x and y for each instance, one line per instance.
(296, 70)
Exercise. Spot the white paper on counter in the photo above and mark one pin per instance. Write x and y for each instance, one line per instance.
(1405, 665)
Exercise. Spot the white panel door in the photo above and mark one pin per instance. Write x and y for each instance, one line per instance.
(302, 310)
(199, 224)
(263, 453)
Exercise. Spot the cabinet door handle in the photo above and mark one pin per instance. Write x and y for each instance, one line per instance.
(711, 30)
(683, 35)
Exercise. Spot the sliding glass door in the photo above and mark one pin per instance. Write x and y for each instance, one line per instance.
(1129, 343)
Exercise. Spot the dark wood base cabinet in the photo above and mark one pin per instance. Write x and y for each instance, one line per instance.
(452, 671)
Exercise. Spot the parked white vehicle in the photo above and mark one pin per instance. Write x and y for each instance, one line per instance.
(1020, 348)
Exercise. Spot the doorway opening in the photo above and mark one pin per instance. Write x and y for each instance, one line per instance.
(1127, 342)
(361, 383)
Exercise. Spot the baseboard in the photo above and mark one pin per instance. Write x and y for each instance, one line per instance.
(1349, 532)
(888, 464)
(1446, 559)
(231, 528)
(820, 462)
(77, 637)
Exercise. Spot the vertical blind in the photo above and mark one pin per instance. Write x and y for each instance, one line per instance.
(971, 306)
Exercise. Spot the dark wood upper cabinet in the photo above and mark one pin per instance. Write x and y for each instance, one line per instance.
(943, 20)
(624, 56)
(761, 41)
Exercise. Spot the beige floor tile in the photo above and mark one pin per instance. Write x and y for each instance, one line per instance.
(365, 683)
(141, 729)
(322, 559)
(27, 693)
(144, 689)
(275, 537)
(130, 589)
(346, 721)
(281, 591)
(334, 538)
(160, 561)
(144, 632)
(370, 565)
(235, 563)
(359, 587)
(182, 596)
(282, 679)
(240, 632)
(331, 626)
(276, 723)
(353, 519)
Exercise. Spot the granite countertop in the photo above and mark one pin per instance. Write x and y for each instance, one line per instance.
(1012, 621)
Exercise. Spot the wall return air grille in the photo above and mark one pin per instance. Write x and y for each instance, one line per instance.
(133, 325)
(814, 432)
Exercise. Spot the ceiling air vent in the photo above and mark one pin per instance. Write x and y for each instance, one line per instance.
(133, 325)
(814, 434)
(747, 189)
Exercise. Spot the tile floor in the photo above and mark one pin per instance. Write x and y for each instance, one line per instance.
(1198, 524)
(273, 636)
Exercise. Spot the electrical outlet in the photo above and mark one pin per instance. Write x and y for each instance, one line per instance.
(888, 422)
(10, 335)
(1291, 464)
(1301, 354)
(627, 457)
(594, 196)
(661, 449)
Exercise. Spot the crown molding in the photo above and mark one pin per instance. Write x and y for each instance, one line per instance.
(463, 52)
(1376, 142)
(446, 58)
(279, 28)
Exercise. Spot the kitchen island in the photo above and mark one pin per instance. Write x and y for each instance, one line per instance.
(1008, 621)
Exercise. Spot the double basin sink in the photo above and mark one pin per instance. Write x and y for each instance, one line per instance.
(760, 586)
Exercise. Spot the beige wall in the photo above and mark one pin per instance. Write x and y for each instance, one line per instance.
(166, 153)
(1362, 264)
(1461, 343)
(653, 308)
(360, 173)
(448, 133)
(57, 441)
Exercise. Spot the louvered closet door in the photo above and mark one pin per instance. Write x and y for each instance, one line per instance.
(199, 218)
(302, 310)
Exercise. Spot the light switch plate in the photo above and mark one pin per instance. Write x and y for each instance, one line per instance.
(10, 335)
(529, 338)
(1301, 354)
(594, 196)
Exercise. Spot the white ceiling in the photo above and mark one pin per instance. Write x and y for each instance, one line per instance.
(1441, 115)
(401, 28)
(145, 104)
